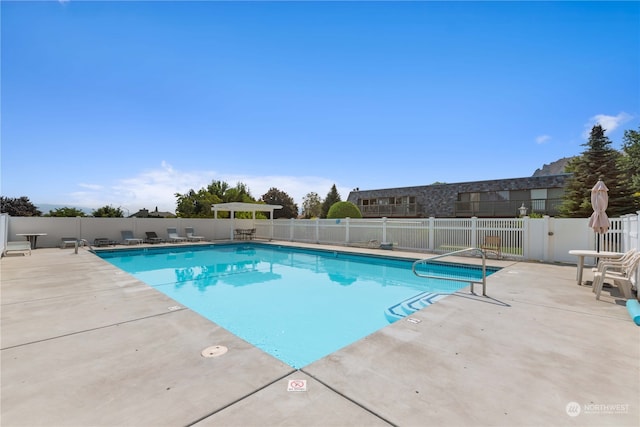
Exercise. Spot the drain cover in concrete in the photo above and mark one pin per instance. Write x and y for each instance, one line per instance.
(214, 351)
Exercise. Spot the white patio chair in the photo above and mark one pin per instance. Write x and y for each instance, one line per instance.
(620, 273)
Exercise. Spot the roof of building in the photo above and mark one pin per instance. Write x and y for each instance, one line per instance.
(145, 213)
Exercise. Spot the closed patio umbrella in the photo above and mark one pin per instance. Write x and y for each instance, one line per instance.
(599, 221)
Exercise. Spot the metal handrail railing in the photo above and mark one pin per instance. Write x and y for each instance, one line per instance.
(472, 282)
(84, 242)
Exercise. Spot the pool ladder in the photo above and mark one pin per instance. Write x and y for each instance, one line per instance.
(472, 282)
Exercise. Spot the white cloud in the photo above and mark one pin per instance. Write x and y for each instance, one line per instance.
(609, 123)
(157, 188)
(543, 139)
(94, 187)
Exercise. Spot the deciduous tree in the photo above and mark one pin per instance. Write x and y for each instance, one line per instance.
(107, 212)
(198, 204)
(66, 212)
(278, 197)
(311, 206)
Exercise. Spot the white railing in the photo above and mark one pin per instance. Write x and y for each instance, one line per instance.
(547, 239)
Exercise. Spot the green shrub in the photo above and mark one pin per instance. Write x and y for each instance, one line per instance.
(344, 210)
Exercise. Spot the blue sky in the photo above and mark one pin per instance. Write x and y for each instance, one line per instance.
(128, 103)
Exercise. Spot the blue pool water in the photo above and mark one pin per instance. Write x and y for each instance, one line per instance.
(298, 305)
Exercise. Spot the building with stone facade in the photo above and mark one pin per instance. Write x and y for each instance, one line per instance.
(498, 198)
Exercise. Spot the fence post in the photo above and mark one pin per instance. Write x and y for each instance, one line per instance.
(526, 234)
(635, 234)
(474, 232)
(346, 231)
(432, 234)
(626, 240)
(384, 229)
(79, 227)
(291, 229)
(317, 230)
(634, 238)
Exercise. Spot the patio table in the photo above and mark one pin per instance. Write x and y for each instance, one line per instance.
(32, 238)
(584, 253)
(245, 233)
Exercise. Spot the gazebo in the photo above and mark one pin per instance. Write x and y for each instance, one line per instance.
(234, 207)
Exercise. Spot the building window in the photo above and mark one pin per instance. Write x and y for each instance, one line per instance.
(538, 199)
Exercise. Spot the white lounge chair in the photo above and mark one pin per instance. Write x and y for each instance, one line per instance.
(620, 273)
(128, 238)
(152, 237)
(191, 235)
(18, 246)
(173, 235)
(68, 241)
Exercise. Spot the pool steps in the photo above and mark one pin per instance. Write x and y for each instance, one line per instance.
(411, 305)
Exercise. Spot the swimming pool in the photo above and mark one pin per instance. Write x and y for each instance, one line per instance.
(297, 304)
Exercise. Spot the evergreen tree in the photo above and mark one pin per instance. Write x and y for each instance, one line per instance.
(598, 161)
(20, 206)
(311, 206)
(332, 197)
(630, 166)
(277, 197)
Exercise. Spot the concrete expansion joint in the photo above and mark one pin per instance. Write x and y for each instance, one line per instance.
(349, 398)
(240, 399)
(92, 329)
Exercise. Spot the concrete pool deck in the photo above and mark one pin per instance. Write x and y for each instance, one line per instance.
(84, 343)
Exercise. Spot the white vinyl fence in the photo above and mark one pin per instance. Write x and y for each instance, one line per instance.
(4, 229)
(545, 239)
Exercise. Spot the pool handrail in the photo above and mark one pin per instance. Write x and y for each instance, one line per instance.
(472, 282)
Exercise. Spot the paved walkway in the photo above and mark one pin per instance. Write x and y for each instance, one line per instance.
(84, 343)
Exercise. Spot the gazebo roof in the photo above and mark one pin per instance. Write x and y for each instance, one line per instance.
(245, 207)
